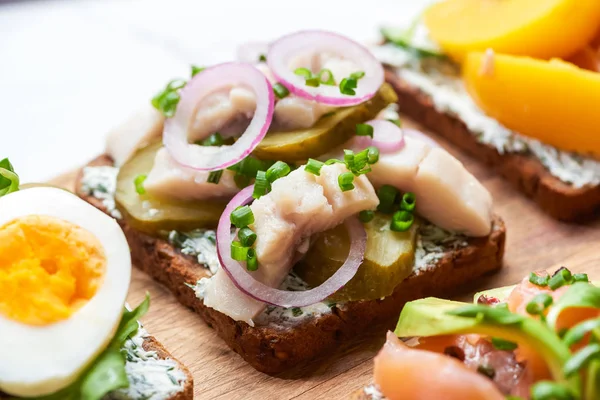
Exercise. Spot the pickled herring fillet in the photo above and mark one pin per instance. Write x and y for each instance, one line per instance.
(168, 179)
(298, 206)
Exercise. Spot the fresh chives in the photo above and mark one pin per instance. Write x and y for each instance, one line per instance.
(277, 170)
(238, 251)
(329, 79)
(580, 278)
(213, 140)
(303, 72)
(357, 75)
(347, 86)
(261, 185)
(364, 130)
(251, 260)
(215, 176)
(139, 183)
(313, 166)
(242, 217)
(247, 237)
(561, 277)
(313, 81)
(366, 216)
(539, 280)
(539, 304)
(262, 58)
(387, 196)
(345, 181)
(280, 90)
(402, 221)
(241, 181)
(408, 202)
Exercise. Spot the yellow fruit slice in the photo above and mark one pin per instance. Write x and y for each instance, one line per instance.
(553, 101)
(536, 28)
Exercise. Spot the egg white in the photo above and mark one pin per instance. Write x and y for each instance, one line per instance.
(39, 360)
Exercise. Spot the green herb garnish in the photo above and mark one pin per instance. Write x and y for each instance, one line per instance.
(9, 180)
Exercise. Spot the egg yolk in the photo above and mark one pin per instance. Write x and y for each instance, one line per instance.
(49, 268)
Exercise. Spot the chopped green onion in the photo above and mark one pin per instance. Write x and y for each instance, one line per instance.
(280, 90)
(314, 166)
(580, 359)
(402, 221)
(539, 280)
(213, 140)
(561, 278)
(277, 170)
(364, 130)
(396, 122)
(241, 181)
(408, 202)
(539, 304)
(251, 260)
(215, 176)
(580, 278)
(330, 80)
(347, 86)
(502, 344)
(139, 183)
(303, 72)
(314, 81)
(366, 216)
(357, 75)
(166, 101)
(249, 166)
(239, 252)
(197, 70)
(262, 58)
(373, 155)
(387, 196)
(361, 160)
(242, 217)
(261, 185)
(247, 237)
(345, 181)
(349, 159)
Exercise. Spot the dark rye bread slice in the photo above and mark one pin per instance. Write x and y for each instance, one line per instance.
(273, 349)
(556, 198)
(151, 344)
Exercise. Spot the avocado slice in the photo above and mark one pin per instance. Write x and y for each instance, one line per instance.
(500, 293)
(433, 317)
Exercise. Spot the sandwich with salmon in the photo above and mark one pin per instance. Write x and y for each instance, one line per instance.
(65, 330)
(513, 83)
(536, 340)
(278, 198)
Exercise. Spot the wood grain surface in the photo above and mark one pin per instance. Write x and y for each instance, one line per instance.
(534, 242)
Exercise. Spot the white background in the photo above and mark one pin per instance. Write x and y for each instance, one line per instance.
(69, 70)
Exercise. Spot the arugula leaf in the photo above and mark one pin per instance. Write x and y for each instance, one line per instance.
(107, 372)
(9, 180)
(579, 294)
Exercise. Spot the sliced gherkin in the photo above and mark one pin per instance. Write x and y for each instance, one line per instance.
(329, 132)
(389, 259)
(152, 215)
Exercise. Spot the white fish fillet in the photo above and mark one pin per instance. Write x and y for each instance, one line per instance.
(298, 206)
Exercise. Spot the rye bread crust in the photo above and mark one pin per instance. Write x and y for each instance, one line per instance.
(556, 198)
(151, 344)
(274, 349)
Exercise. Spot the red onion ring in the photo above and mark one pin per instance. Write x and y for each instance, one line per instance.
(387, 136)
(283, 298)
(250, 52)
(202, 158)
(286, 48)
(415, 134)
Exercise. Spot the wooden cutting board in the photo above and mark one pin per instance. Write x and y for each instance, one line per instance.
(534, 242)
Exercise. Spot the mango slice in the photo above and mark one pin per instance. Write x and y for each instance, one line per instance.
(535, 28)
(553, 101)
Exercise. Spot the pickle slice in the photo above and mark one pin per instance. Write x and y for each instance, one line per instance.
(329, 132)
(155, 216)
(389, 259)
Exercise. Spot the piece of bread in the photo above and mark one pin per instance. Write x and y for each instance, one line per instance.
(273, 349)
(556, 198)
(151, 344)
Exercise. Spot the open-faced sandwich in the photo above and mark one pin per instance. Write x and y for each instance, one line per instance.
(64, 332)
(269, 199)
(537, 340)
(515, 83)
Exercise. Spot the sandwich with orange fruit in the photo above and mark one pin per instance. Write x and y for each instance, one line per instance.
(515, 83)
(65, 331)
(537, 340)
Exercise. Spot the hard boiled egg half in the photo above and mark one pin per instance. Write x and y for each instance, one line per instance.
(65, 269)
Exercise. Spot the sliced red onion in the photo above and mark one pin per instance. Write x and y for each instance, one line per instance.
(415, 134)
(387, 136)
(211, 80)
(250, 52)
(283, 298)
(309, 43)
